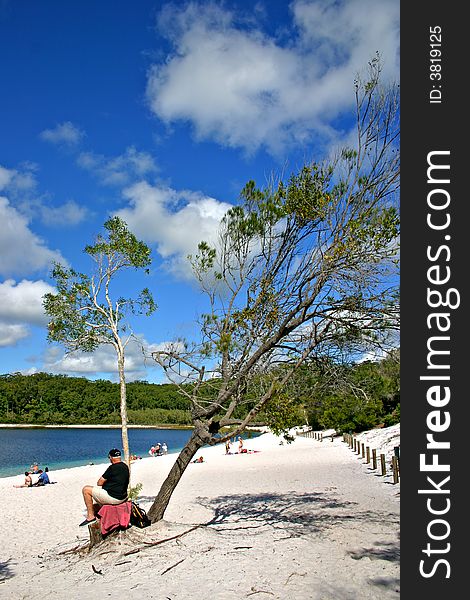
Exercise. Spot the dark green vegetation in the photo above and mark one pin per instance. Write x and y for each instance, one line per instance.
(43, 398)
(345, 398)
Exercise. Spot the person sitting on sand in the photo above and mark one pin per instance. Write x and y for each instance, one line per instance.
(227, 447)
(240, 444)
(111, 487)
(28, 482)
(43, 478)
(34, 469)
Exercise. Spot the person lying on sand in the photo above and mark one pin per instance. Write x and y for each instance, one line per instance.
(111, 487)
(198, 460)
(28, 482)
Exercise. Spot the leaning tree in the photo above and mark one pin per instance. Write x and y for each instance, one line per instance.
(84, 315)
(300, 268)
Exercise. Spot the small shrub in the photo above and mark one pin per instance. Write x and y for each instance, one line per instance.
(133, 492)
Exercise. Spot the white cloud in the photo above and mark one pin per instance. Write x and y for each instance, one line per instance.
(16, 182)
(12, 333)
(176, 221)
(21, 251)
(244, 89)
(22, 302)
(20, 307)
(21, 188)
(5, 177)
(68, 214)
(119, 170)
(64, 133)
(102, 361)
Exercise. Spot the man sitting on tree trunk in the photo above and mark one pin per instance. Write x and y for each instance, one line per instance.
(111, 487)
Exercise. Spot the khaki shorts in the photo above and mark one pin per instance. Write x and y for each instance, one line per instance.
(102, 497)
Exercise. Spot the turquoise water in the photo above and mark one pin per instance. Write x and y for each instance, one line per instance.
(62, 448)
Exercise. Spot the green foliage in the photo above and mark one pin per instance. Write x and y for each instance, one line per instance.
(282, 413)
(393, 418)
(348, 413)
(134, 491)
(82, 312)
(356, 397)
(43, 398)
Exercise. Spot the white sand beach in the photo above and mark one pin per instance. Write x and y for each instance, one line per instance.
(306, 520)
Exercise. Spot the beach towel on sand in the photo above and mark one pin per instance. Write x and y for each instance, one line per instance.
(114, 516)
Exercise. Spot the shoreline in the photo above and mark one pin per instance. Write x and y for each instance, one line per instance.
(60, 458)
(34, 426)
(261, 428)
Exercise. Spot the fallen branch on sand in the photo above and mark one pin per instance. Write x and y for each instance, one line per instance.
(172, 566)
(259, 592)
(158, 542)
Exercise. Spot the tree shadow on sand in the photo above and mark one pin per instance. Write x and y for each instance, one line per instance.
(300, 513)
(5, 570)
(381, 551)
(297, 514)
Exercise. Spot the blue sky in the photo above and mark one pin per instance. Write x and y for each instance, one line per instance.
(160, 113)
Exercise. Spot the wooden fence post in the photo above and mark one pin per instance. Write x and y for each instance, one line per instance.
(368, 454)
(374, 458)
(382, 462)
(363, 450)
(395, 469)
(396, 451)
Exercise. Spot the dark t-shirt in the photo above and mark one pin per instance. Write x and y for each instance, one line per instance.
(117, 480)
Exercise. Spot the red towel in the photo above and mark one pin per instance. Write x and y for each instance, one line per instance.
(113, 516)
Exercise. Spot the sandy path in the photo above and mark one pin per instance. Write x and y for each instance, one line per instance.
(307, 520)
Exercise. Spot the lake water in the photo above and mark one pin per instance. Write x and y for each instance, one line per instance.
(62, 448)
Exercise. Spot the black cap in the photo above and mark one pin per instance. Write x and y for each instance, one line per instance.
(114, 452)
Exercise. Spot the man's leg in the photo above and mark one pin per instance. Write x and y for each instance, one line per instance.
(88, 498)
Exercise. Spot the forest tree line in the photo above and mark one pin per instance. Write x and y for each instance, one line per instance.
(44, 398)
(347, 398)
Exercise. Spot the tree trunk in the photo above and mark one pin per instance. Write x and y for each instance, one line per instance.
(95, 534)
(196, 441)
(122, 385)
